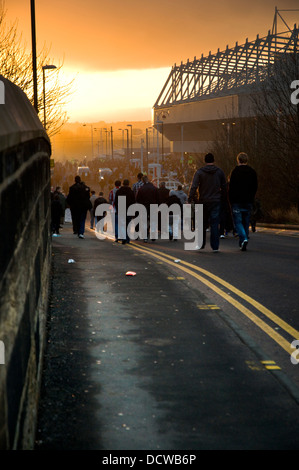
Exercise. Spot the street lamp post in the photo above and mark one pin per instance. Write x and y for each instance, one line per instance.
(130, 125)
(33, 36)
(46, 67)
(146, 144)
(123, 141)
(111, 135)
(127, 131)
(161, 122)
(106, 131)
(91, 127)
(98, 129)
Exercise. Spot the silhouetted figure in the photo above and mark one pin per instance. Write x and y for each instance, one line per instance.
(242, 189)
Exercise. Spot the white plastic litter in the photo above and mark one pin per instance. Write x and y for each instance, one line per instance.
(71, 261)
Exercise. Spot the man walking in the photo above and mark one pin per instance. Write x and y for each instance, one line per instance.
(242, 189)
(78, 200)
(211, 183)
(124, 219)
(136, 186)
(148, 195)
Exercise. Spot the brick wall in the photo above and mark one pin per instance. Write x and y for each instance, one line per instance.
(25, 250)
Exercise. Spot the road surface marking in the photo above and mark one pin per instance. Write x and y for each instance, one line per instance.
(184, 266)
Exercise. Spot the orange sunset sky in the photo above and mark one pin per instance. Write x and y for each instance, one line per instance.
(120, 52)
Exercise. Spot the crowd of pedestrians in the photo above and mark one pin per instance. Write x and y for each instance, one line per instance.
(227, 204)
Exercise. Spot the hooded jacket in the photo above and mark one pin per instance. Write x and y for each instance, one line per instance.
(210, 180)
(242, 185)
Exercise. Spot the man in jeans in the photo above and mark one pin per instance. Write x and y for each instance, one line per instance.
(211, 183)
(242, 190)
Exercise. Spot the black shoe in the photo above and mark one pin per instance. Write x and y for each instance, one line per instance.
(244, 245)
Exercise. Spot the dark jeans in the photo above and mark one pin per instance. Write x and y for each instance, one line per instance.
(241, 216)
(78, 219)
(211, 218)
(82, 218)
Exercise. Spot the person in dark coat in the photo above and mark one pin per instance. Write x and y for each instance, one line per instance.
(175, 216)
(98, 201)
(56, 213)
(163, 194)
(148, 195)
(79, 201)
(129, 195)
(211, 183)
(242, 189)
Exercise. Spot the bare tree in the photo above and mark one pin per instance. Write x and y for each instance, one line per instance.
(16, 66)
(278, 129)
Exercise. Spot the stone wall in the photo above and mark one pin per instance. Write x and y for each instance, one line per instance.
(25, 251)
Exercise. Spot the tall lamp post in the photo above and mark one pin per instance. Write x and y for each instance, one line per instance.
(91, 127)
(106, 131)
(162, 150)
(46, 67)
(123, 139)
(33, 36)
(130, 125)
(127, 131)
(147, 147)
(111, 135)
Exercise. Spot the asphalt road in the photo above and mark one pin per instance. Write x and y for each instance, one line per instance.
(268, 272)
(173, 358)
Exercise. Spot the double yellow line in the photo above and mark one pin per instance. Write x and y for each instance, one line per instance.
(193, 270)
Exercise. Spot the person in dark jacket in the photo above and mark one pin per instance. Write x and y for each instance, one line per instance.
(148, 195)
(128, 193)
(175, 216)
(79, 201)
(242, 189)
(98, 201)
(211, 184)
(163, 194)
(56, 213)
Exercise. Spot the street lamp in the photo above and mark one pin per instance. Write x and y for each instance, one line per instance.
(33, 39)
(130, 125)
(111, 135)
(99, 141)
(147, 147)
(161, 122)
(106, 131)
(46, 67)
(123, 139)
(127, 152)
(91, 127)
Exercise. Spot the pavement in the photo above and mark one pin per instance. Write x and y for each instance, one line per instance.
(132, 363)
